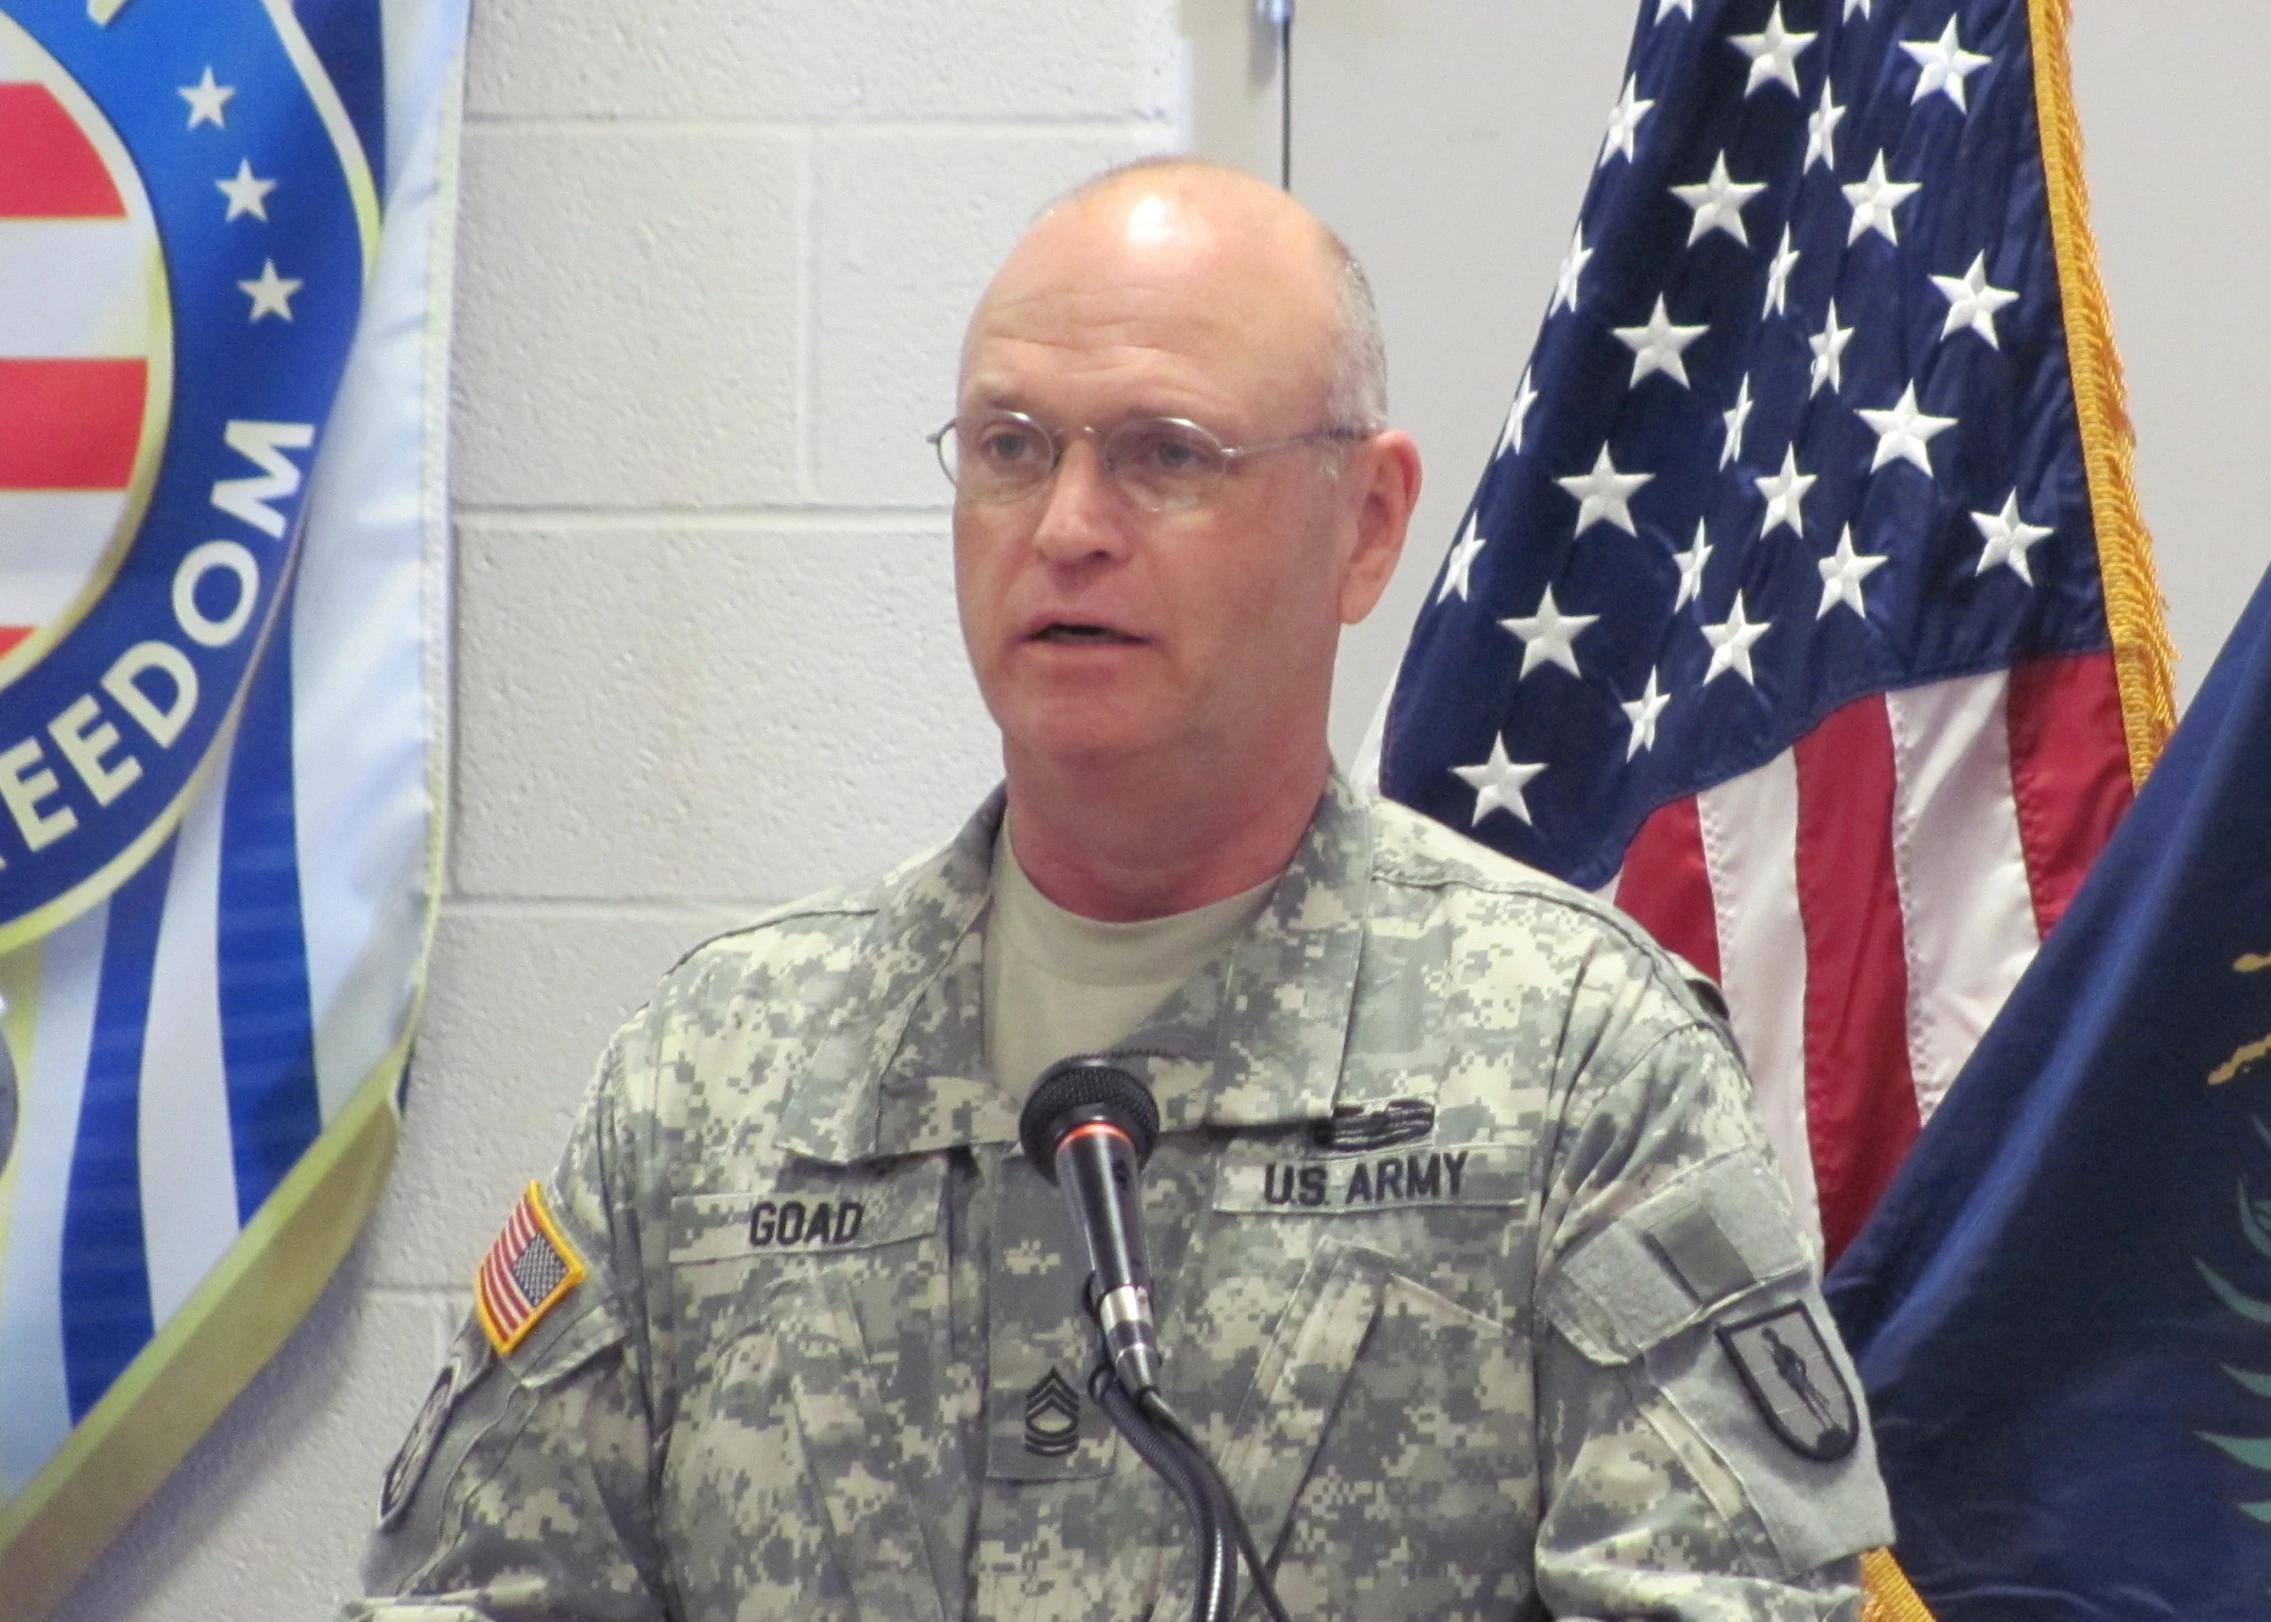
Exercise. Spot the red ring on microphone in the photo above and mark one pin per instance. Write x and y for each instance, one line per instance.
(1086, 1127)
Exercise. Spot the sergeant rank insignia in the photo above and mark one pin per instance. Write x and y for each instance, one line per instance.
(525, 1275)
(1794, 1382)
(1052, 1417)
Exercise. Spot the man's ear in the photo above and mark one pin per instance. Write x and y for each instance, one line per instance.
(1385, 471)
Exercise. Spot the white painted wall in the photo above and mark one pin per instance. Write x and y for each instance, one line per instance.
(714, 264)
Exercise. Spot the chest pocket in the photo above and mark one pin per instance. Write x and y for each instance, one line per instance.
(790, 1481)
(1385, 1454)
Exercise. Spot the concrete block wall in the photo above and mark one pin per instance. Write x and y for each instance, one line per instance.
(713, 266)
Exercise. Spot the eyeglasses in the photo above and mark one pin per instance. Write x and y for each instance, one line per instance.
(1160, 463)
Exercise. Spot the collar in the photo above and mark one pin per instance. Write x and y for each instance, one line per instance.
(899, 1068)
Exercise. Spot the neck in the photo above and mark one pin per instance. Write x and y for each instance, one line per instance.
(1130, 842)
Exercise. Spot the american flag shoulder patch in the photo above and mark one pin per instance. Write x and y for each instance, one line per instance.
(526, 1273)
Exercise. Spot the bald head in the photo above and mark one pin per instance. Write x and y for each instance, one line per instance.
(1270, 261)
(1159, 655)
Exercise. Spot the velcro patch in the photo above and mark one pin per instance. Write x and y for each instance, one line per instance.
(526, 1273)
(408, 1467)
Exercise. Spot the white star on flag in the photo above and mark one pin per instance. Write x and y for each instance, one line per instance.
(1785, 494)
(1517, 413)
(1604, 495)
(206, 101)
(1821, 132)
(1829, 354)
(1498, 782)
(1904, 432)
(1664, 8)
(1565, 286)
(1874, 200)
(1718, 203)
(1778, 270)
(1774, 54)
(1549, 636)
(247, 194)
(1691, 564)
(1642, 713)
(1946, 65)
(1624, 123)
(1461, 562)
(2007, 536)
(1657, 346)
(271, 294)
(1842, 573)
(1862, 6)
(1972, 303)
(1731, 641)
(1735, 417)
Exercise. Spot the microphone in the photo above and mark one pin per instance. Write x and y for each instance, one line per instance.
(1088, 1127)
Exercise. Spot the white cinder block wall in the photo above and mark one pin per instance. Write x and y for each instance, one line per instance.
(713, 265)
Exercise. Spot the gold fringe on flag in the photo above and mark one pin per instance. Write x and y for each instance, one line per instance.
(2142, 653)
(1885, 1594)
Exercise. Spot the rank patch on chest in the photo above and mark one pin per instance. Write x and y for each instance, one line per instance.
(1794, 1382)
(1052, 1417)
(525, 1275)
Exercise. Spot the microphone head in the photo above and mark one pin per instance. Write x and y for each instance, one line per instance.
(1085, 1089)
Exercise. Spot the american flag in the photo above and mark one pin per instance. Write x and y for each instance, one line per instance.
(1779, 613)
(529, 1268)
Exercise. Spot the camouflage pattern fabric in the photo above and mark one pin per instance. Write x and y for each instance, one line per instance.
(1459, 1181)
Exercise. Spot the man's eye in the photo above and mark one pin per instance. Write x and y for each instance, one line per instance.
(1164, 450)
(1009, 447)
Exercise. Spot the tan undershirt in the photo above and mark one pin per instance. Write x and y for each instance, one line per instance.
(1059, 984)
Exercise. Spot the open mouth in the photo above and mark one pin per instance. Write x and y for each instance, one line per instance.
(1077, 635)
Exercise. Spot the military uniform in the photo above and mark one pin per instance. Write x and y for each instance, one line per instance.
(1471, 1269)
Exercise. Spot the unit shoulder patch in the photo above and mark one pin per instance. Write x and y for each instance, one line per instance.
(1794, 1382)
(408, 1467)
(528, 1271)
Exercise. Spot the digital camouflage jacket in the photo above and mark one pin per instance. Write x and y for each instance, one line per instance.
(1472, 1270)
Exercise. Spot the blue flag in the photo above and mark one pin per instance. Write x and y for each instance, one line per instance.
(2062, 1307)
(223, 347)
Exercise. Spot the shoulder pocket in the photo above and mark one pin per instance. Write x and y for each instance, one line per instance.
(1674, 1259)
(1672, 1296)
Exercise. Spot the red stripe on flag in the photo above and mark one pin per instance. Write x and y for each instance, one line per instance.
(70, 424)
(2069, 771)
(10, 635)
(1861, 1111)
(1667, 888)
(47, 168)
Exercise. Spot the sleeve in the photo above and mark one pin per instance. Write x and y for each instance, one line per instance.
(524, 1489)
(1704, 1445)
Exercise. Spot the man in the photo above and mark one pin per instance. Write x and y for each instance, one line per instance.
(1468, 1253)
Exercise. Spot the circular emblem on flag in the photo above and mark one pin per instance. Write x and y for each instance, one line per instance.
(189, 220)
(86, 349)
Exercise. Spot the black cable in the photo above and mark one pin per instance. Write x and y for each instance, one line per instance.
(1172, 1423)
(1169, 1453)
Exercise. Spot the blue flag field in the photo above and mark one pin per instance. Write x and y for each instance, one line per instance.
(2062, 1307)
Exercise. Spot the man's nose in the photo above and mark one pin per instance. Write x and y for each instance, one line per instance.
(1085, 515)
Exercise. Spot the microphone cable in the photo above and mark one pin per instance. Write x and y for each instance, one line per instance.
(1164, 1442)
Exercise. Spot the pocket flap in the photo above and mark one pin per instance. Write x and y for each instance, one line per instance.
(1676, 1257)
(854, 1455)
(1297, 1386)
